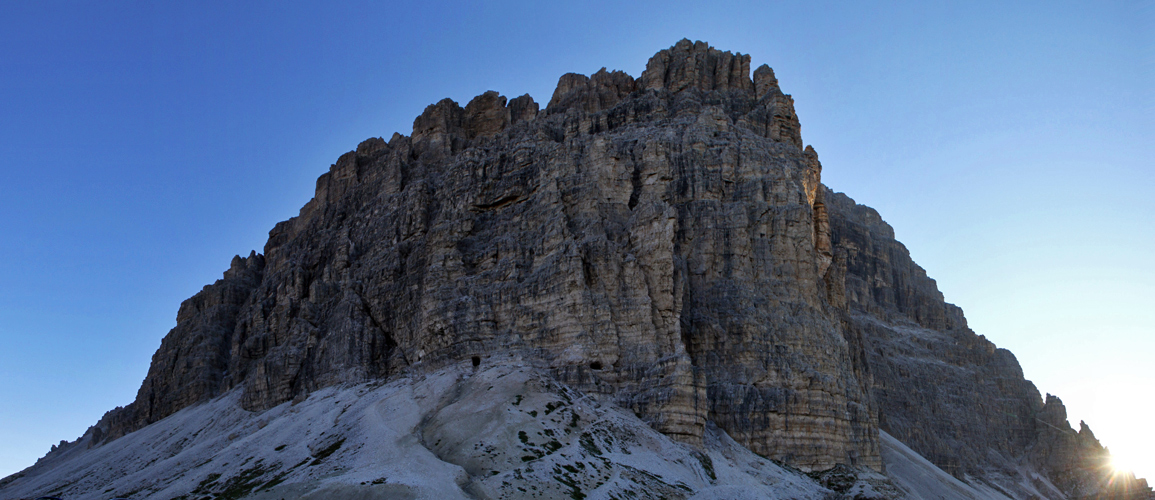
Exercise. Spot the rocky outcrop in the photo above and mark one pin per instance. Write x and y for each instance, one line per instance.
(697, 66)
(659, 241)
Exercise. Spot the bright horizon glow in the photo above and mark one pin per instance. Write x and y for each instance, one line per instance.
(1121, 465)
(1111, 409)
(143, 145)
(1121, 470)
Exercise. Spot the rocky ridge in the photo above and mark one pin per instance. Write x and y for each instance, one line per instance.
(663, 242)
(952, 395)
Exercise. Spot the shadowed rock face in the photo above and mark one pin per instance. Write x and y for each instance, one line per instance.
(660, 241)
(946, 392)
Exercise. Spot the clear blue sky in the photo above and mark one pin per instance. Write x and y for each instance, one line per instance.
(143, 144)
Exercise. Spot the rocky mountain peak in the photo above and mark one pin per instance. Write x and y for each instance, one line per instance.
(591, 94)
(696, 65)
(485, 115)
(663, 244)
(765, 83)
(596, 239)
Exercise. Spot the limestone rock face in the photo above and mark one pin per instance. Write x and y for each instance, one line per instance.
(697, 65)
(193, 359)
(661, 242)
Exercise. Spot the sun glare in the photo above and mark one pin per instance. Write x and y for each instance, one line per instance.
(1119, 464)
(1124, 465)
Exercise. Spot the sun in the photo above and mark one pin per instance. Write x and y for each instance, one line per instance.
(1120, 465)
(1124, 465)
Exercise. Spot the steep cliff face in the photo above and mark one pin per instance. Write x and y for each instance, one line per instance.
(193, 359)
(661, 241)
(950, 394)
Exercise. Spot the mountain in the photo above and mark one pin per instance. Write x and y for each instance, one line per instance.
(652, 265)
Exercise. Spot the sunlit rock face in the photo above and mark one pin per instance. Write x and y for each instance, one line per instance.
(661, 241)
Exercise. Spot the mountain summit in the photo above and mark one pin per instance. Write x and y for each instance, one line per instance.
(653, 262)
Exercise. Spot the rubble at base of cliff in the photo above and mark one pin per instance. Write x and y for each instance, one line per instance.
(504, 429)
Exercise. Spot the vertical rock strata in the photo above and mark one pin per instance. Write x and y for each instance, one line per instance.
(660, 241)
